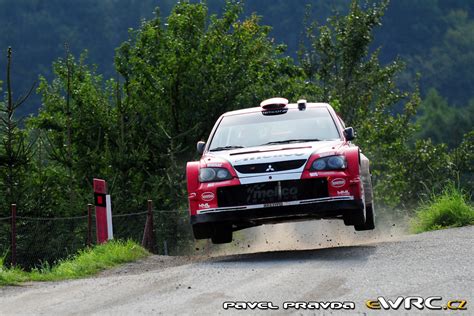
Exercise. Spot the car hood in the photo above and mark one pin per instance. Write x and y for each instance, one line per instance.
(273, 153)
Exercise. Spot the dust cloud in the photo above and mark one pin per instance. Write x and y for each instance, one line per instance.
(303, 235)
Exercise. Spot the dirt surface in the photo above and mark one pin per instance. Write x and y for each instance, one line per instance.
(431, 264)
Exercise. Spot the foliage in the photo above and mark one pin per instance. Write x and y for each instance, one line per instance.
(138, 130)
(85, 263)
(10, 276)
(443, 123)
(425, 168)
(184, 75)
(364, 92)
(434, 37)
(74, 147)
(452, 58)
(180, 76)
(15, 149)
(450, 209)
(463, 159)
(38, 30)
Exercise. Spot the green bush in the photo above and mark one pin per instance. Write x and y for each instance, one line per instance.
(449, 209)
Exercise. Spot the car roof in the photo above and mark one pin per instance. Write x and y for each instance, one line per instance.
(289, 106)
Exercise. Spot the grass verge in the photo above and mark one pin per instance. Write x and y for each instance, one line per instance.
(86, 262)
(449, 209)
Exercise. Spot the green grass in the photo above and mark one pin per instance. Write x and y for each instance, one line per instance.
(449, 209)
(12, 276)
(86, 262)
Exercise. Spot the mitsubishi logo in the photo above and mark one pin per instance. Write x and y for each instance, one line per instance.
(270, 168)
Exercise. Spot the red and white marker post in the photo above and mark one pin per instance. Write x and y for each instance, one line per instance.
(103, 212)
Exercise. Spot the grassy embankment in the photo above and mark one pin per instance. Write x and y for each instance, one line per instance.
(86, 262)
(450, 209)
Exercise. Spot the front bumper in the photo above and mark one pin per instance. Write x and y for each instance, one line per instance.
(252, 215)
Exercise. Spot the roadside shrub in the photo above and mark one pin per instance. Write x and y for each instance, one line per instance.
(10, 275)
(86, 262)
(92, 260)
(449, 209)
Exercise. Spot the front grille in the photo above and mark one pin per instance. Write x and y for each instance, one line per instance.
(272, 192)
(271, 167)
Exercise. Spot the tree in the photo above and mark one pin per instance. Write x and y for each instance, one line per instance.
(448, 66)
(338, 58)
(74, 126)
(15, 149)
(443, 123)
(181, 75)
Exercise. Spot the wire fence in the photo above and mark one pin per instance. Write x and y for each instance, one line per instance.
(42, 241)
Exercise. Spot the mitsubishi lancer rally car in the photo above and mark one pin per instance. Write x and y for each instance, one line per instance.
(277, 163)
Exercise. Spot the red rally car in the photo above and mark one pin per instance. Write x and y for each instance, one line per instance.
(276, 163)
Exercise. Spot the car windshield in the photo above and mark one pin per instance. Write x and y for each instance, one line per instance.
(255, 129)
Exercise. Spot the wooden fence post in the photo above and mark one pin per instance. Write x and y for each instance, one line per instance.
(13, 229)
(165, 247)
(148, 241)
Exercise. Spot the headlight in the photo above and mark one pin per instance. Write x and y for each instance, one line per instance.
(329, 163)
(336, 162)
(214, 174)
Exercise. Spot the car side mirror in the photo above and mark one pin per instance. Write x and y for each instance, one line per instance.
(349, 133)
(200, 147)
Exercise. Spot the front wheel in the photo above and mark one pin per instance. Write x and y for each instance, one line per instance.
(357, 217)
(369, 219)
(202, 231)
(222, 234)
(354, 217)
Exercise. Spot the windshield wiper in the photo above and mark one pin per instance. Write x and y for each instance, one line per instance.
(226, 148)
(288, 141)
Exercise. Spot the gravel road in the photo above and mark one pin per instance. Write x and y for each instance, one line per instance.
(430, 264)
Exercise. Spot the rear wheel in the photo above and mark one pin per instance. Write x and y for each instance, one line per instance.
(222, 234)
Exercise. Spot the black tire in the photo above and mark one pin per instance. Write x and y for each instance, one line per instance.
(202, 231)
(369, 219)
(354, 218)
(222, 235)
(347, 220)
